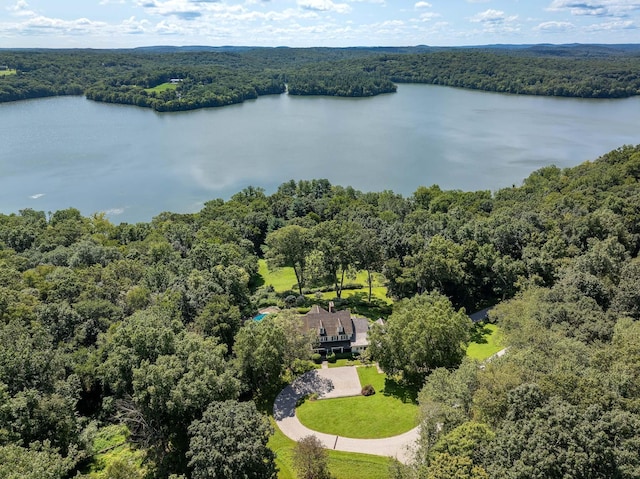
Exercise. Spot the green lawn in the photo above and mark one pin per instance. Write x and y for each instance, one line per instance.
(344, 362)
(284, 279)
(486, 340)
(343, 465)
(391, 411)
(7, 72)
(162, 87)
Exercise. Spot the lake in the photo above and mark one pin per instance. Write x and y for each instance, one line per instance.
(134, 163)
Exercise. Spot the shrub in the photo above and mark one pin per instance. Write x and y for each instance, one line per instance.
(368, 390)
(316, 358)
(307, 397)
(301, 366)
(331, 358)
(344, 356)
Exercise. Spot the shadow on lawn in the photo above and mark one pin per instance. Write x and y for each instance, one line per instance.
(479, 331)
(358, 304)
(406, 394)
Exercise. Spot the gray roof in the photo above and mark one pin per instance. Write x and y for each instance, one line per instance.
(331, 322)
(361, 328)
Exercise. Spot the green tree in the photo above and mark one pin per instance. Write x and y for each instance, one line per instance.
(265, 350)
(467, 440)
(438, 267)
(220, 319)
(423, 333)
(289, 246)
(551, 439)
(173, 391)
(367, 252)
(337, 242)
(310, 459)
(627, 295)
(447, 466)
(446, 401)
(35, 462)
(230, 442)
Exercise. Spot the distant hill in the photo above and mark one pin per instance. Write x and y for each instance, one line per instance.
(540, 49)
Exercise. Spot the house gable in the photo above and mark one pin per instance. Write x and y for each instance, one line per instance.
(333, 328)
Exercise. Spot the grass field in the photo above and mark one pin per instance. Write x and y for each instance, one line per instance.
(486, 340)
(392, 410)
(162, 87)
(282, 279)
(7, 72)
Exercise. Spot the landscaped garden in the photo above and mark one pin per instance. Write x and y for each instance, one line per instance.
(283, 282)
(284, 279)
(392, 410)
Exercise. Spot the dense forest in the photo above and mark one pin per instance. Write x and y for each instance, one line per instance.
(217, 77)
(141, 327)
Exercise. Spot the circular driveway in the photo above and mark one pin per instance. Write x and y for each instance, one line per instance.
(333, 383)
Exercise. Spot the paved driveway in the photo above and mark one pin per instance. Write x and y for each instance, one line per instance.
(332, 383)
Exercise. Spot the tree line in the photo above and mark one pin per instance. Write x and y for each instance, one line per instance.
(218, 78)
(509, 72)
(143, 325)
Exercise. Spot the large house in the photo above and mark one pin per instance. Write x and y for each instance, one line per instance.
(337, 331)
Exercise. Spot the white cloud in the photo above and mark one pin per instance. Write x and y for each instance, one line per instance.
(614, 25)
(324, 6)
(310, 22)
(183, 9)
(428, 16)
(21, 9)
(600, 8)
(492, 16)
(554, 27)
(41, 25)
(496, 22)
(134, 26)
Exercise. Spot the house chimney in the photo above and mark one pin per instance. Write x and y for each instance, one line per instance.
(331, 306)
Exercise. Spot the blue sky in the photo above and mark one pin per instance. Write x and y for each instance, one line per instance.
(131, 23)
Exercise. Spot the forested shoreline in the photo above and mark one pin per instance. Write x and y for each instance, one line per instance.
(209, 78)
(141, 327)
